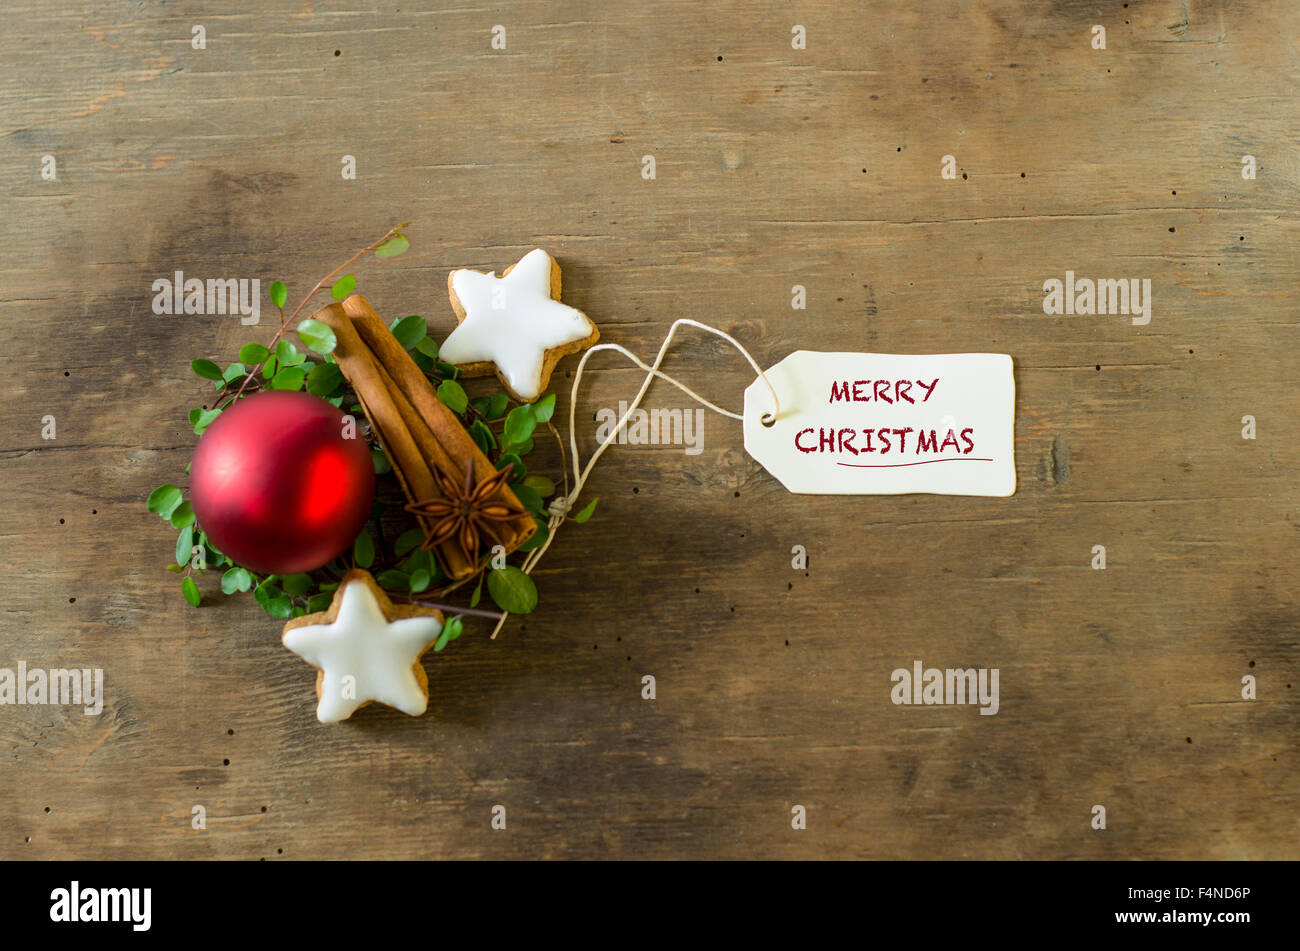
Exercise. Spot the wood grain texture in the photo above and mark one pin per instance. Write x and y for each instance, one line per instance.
(775, 167)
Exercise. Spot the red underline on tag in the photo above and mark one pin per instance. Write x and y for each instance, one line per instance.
(900, 465)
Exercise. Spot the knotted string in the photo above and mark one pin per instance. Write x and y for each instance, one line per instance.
(560, 507)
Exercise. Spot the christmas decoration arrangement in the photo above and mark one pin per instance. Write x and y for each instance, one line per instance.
(300, 455)
(282, 498)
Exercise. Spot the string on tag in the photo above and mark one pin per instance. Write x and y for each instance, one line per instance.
(560, 507)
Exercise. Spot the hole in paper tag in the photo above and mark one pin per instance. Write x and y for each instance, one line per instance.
(887, 424)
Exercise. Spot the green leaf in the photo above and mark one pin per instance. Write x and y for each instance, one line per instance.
(296, 585)
(191, 591)
(450, 631)
(524, 448)
(424, 561)
(518, 472)
(363, 550)
(541, 485)
(164, 500)
(409, 331)
(194, 418)
(497, 404)
(290, 378)
(272, 600)
(318, 337)
(418, 560)
(236, 579)
(206, 369)
(279, 293)
(544, 408)
(512, 590)
(288, 354)
(343, 287)
(380, 461)
(185, 545)
(408, 541)
(394, 580)
(319, 602)
(233, 372)
(528, 498)
(477, 595)
(587, 512)
(448, 371)
(452, 395)
(205, 420)
(537, 538)
(214, 557)
(176, 568)
(429, 347)
(419, 580)
(520, 425)
(324, 378)
(182, 516)
(392, 247)
(479, 431)
(280, 607)
(253, 353)
(269, 368)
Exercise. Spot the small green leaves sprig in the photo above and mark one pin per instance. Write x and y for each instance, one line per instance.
(279, 365)
(502, 430)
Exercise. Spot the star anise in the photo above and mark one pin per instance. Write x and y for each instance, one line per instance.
(466, 513)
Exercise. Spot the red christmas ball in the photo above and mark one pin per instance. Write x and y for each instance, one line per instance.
(277, 486)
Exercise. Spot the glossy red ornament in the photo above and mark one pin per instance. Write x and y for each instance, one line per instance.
(276, 485)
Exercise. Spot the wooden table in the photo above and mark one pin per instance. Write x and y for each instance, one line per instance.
(774, 166)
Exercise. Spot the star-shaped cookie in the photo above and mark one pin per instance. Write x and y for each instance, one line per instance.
(365, 649)
(514, 324)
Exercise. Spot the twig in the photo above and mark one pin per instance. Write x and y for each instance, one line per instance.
(453, 609)
(564, 463)
(287, 324)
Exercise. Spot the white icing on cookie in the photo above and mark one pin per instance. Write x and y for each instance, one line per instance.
(363, 644)
(512, 321)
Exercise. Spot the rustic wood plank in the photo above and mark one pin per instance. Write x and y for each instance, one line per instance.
(775, 167)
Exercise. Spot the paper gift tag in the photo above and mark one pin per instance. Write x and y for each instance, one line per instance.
(886, 424)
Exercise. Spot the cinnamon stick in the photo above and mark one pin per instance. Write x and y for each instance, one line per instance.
(456, 443)
(451, 439)
(388, 417)
(417, 430)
